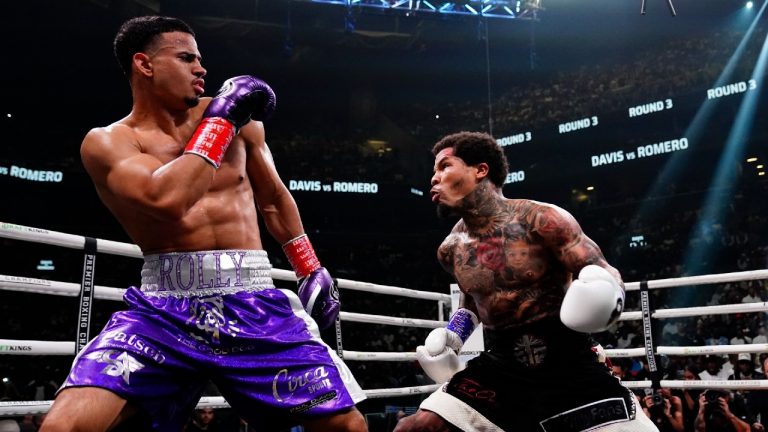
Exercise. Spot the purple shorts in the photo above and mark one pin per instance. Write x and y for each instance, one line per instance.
(216, 315)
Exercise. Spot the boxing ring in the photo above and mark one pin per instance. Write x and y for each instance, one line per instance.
(88, 290)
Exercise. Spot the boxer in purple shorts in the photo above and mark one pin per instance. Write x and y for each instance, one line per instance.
(181, 173)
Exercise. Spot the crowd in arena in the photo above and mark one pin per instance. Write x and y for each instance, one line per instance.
(679, 67)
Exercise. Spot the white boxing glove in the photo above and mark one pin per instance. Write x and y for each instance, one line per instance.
(439, 355)
(593, 301)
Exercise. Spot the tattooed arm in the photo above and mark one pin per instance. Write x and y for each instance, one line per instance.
(446, 257)
(595, 300)
(562, 234)
(439, 356)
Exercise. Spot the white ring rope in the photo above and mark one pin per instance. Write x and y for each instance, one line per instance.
(703, 384)
(395, 321)
(397, 291)
(39, 235)
(44, 286)
(700, 280)
(379, 356)
(67, 289)
(689, 350)
(698, 311)
(36, 347)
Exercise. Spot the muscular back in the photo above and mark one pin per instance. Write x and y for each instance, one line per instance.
(515, 270)
(123, 158)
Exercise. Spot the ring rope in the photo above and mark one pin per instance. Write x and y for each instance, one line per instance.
(379, 356)
(689, 350)
(43, 286)
(39, 235)
(698, 311)
(703, 384)
(395, 321)
(700, 279)
(36, 347)
(67, 289)
(385, 289)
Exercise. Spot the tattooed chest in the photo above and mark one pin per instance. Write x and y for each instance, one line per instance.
(507, 273)
(507, 263)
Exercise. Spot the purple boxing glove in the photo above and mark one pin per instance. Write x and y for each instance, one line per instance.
(241, 99)
(320, 297)
(238, 101)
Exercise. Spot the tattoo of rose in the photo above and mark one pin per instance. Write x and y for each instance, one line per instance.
(490, 254)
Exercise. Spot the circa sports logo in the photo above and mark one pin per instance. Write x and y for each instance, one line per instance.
(284, 385)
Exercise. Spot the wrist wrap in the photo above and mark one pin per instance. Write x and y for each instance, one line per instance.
(211, 139)
(301, 255)
(462, 323)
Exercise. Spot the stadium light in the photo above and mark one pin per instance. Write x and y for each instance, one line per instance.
(506, 9)
(749, 5)
(669, 3)
(712, 210)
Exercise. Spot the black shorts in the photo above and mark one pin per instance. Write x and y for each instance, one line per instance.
(541, 378)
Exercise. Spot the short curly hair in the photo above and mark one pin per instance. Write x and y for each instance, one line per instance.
(136, 34)
(475, 148)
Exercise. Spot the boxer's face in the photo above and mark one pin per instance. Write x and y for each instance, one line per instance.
(177, 73)
(205, 415)
(452, 182)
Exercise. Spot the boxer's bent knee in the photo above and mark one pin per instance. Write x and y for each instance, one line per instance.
(86, 409)
(423, 421)
(347, 421)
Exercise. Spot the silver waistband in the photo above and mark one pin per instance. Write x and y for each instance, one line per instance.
(202, 273)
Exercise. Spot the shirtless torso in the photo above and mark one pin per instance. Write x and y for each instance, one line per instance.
(121, 159)
(515, 268)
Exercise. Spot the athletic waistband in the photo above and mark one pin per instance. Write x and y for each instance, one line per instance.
(549, 332)
(202, 273)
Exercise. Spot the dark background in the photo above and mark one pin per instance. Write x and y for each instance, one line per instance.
(362, 97)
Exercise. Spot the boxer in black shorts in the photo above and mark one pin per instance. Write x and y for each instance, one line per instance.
(515, 262)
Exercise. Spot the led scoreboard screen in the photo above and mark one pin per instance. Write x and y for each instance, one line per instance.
(637, 140)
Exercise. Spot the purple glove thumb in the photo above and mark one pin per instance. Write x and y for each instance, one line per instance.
(320, 297)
